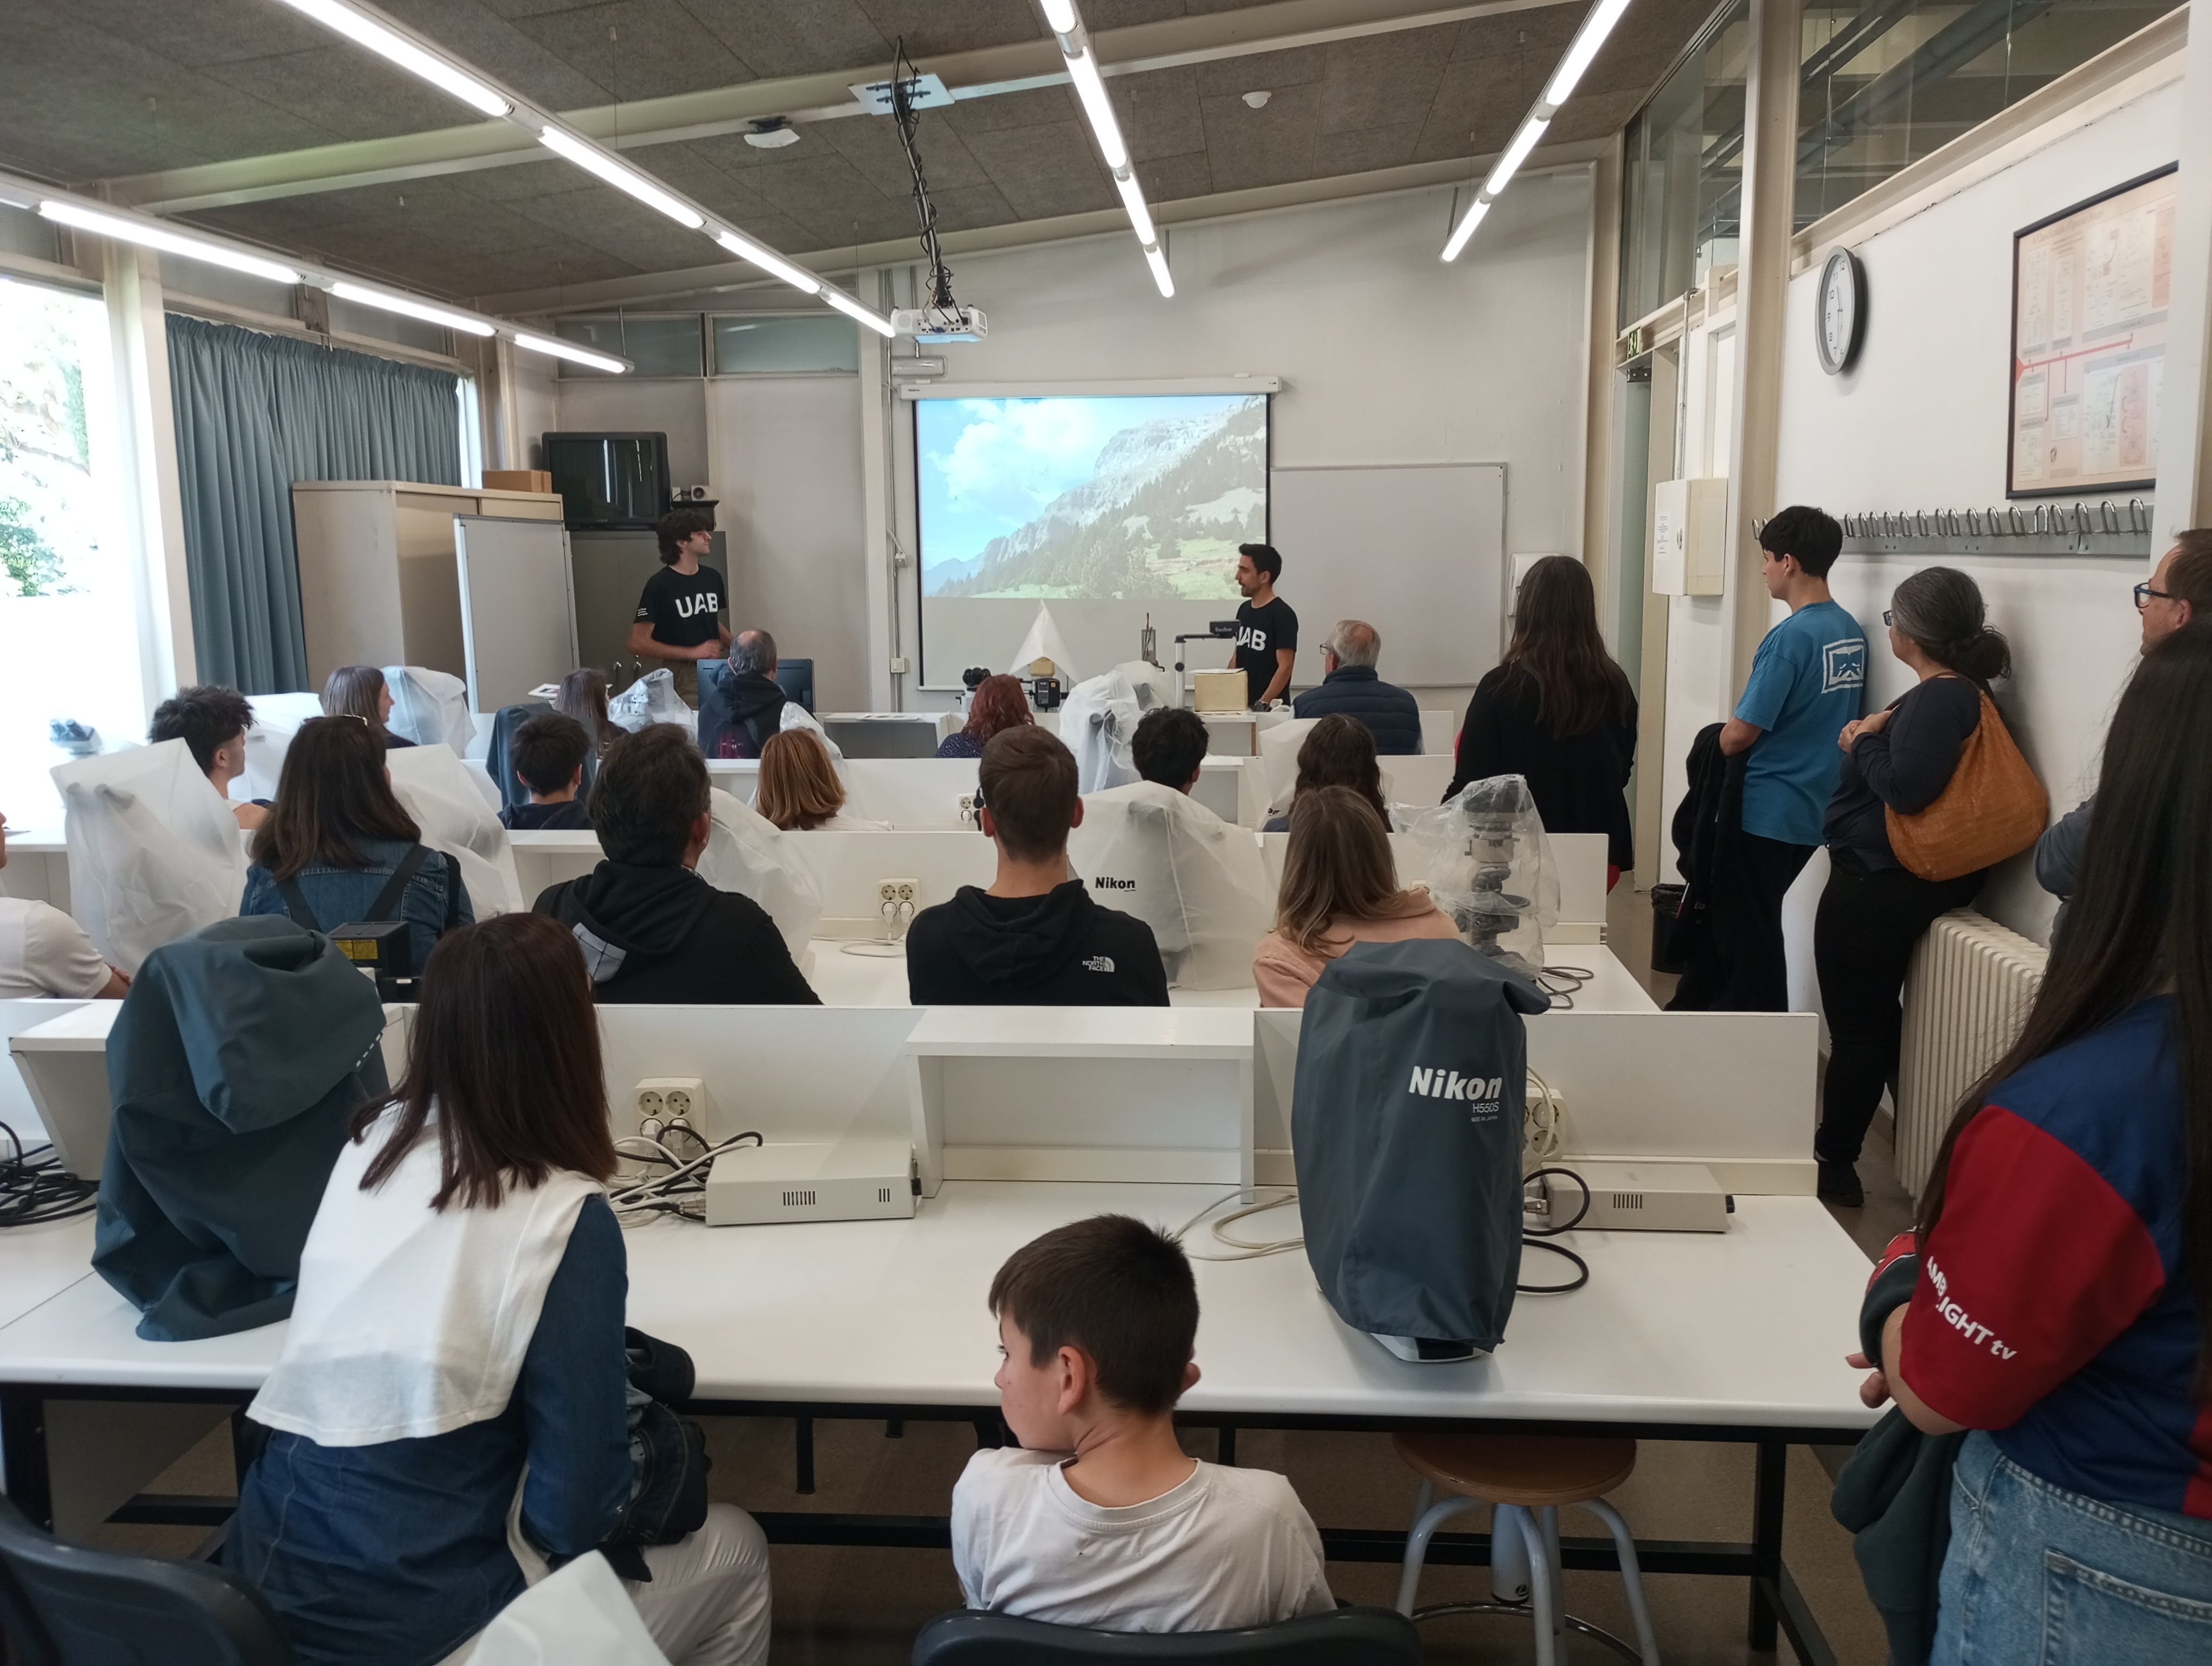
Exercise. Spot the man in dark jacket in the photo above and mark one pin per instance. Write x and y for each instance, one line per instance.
(652, 930)
(1350, 685)
(1034, 939)
(739, 710)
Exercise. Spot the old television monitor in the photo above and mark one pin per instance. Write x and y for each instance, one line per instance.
(609, 481)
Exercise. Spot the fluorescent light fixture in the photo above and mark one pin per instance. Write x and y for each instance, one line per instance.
(129, 230)
(1082, 70)
(593, 160)
(1583, 49)
(1156, 257)
(845, 303)
(1465, 229)
(768, 261)
(363, 28)
(385, 301)
(1140, 215)
(567, 350)
(1516, 154)
(1059, 15)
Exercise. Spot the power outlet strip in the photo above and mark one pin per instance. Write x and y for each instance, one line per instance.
(663, 1099)
(899, 894)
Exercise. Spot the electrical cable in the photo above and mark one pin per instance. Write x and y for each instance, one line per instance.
(1574, 977)
(904, 74)
(680, 1191)
(1241, 1249)
(34, 1187)
(1532, 1237)
(892, 944)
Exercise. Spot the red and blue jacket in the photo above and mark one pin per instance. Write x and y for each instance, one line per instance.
(2050, 1306)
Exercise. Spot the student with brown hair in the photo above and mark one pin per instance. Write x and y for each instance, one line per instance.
(212, 720)
(456, 1346)
(339, 847)
(1098, 1517)
(1035, 938)
(1339, 887)
(583, 696)
(997, 703)
(798, 788)
(1338, 751)
(547, 755)
(360, 691)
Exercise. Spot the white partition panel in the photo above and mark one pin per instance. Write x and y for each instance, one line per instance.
(17, 1108)
(517, 606)
(1418, 782)
(851, 867)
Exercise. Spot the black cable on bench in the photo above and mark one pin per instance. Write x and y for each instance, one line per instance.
(34, 1187)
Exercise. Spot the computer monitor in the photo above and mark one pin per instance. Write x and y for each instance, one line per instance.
(796, 678)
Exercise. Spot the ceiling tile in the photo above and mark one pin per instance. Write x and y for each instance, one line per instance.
(1166, 179)
(1100, 14)
(351, 94)
(496, 45)
(1383, 80)
(1362, 150)
(1158, 112)
(954, 26)
(515, 180)
(1543, 32)
(970, 208)
(871, 144)
(638, 49)
(781, 38)
(1046, 170)
(1595, 118)
(827, 195)
(1479, 103)
(206, 32)
(1265, 146)
(1263, 71)
(1648, 38)
(1036, 106)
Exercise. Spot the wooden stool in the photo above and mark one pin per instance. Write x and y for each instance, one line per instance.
(1527, 1478)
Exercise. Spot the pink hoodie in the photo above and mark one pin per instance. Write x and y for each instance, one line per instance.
(1285, 972)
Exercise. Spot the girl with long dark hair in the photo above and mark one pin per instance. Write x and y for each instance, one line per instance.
(1558, 712)
(2061, 1304)
(1338, 751)
(456, 1348)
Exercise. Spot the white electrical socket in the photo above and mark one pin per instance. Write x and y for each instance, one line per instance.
(667, 1097)
(968, 809)
(898, 893)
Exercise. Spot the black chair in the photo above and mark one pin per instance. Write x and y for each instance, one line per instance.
(796, 678)
(61, 1604)
(1342, 1637)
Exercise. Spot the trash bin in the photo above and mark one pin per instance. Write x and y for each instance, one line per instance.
(1666, 902)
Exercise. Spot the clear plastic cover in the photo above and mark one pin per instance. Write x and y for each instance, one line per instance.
(1097, 720)
(1490, 867)
(1197, 881)
(440, 792)
(154, 852)
(1278, 760)
(747, 853)
(652, 699)
(430, 707)
(276, 719)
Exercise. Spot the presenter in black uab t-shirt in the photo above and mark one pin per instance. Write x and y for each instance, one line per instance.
(679, 616)
(1267, 629)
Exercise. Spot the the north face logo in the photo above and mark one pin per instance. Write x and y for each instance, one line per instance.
(1099, 962)
(1107, 882)
(1450, 1084)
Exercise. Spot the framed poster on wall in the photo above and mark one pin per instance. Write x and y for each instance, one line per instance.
(2089, 289)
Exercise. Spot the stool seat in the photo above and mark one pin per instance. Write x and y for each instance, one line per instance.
(1532, 1471)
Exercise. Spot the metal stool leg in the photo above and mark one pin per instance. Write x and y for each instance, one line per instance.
(1417, 1542)
(1548, 1518)
(1545, 1595)
(1509, 1555)
(1632, 1576)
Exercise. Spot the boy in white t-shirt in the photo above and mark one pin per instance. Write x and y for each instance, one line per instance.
(1099, 1519)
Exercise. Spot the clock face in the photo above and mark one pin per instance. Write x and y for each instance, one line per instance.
(1841, 297)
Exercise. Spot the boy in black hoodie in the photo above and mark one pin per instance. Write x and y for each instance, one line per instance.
(652, 930)
(1034, 939)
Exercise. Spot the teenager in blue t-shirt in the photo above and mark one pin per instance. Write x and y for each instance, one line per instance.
(1806, 684)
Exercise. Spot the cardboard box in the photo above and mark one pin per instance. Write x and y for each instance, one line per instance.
(1220, 690)
(518, 480)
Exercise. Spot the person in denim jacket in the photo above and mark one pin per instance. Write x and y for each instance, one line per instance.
(339, 834)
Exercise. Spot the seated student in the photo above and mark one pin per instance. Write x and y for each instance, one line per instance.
(338, 847)
(212, 720)
(1349, 685)
(417, 1403)
(1337, 752)
(45, 952)
(1169, 747)
(547, 755)
(583, 696)
(652, 930)
(798, 788)
(1098, 1518)
(360, 691)
(1034, 939)
(997, 703)
(1339, 887)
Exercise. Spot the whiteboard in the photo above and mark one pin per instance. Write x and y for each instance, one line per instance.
(517, 607)
(1418, 552)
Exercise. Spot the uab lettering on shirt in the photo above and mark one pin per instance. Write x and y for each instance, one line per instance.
(1252, 636)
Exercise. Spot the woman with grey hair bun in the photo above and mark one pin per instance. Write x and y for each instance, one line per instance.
(1875, 909)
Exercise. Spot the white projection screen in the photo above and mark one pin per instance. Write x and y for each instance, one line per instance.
(1105, 507)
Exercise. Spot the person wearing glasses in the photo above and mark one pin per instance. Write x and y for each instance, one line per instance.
(2180, 590)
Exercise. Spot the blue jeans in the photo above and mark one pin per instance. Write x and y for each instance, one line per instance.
(2040, 1576)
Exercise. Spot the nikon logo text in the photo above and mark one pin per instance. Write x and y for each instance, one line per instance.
(1450, 1084)
(1107, 882)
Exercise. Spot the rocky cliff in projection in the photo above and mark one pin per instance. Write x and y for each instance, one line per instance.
(1160, 518)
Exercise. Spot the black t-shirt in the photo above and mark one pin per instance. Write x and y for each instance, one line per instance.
(1259, 632)
(683, 608)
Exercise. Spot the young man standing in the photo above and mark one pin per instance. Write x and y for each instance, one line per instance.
(1807, 681)
(1267, 629)
(1034, 939)
(679, 615)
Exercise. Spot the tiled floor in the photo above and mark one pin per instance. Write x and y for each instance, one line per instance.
(861, 1607)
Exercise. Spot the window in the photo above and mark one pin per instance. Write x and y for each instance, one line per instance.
(813, 342)
(1681, 185)
(69, 609)
(662, 346)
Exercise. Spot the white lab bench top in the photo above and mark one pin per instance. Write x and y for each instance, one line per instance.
(1741, 1328)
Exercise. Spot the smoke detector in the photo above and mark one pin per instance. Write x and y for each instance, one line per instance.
(1256, 100)
(772, 134)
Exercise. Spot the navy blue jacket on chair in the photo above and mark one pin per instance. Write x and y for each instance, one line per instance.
(1391, 715)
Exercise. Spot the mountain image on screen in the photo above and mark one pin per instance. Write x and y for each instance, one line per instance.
(1160, 518)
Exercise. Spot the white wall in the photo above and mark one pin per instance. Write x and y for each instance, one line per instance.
(1388, 355)
(536, 407)
(677, 408)
(1920, 423)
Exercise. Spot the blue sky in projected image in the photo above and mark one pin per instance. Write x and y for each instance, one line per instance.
(988, 466)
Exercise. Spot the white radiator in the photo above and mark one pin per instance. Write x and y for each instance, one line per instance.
(1967, 994)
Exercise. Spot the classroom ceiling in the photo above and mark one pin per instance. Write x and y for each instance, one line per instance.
(200, 107)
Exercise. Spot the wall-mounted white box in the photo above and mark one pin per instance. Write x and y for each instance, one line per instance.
(1689, 537)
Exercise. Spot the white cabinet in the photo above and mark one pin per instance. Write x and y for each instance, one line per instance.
(1689, 526)
(379, 583)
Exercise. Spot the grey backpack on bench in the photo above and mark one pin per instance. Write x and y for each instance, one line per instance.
(1406, 1116)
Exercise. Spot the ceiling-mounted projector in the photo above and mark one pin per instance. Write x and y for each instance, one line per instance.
(940, 324)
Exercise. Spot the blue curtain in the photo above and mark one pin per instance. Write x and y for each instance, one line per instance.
(254, 413)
